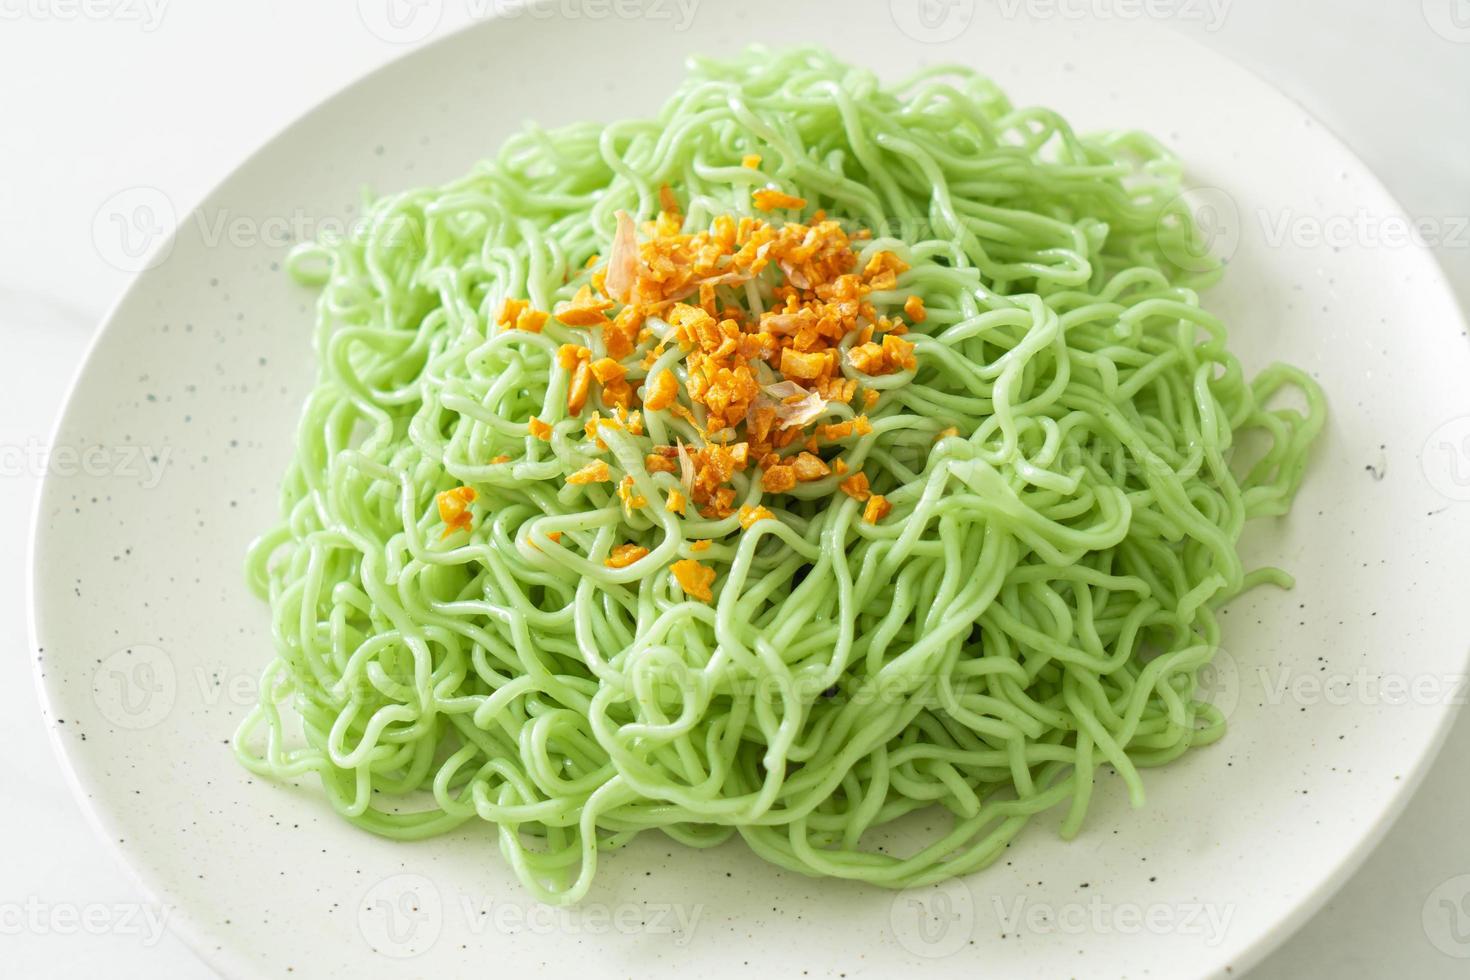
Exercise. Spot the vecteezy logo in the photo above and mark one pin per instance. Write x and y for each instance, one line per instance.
(131, 228)
(932, 21)
(135, 687)
(1446, 917)
(1199, 228)
(1450, 19)
(1446, 459)
(400, 21)
(401, 916)
(933, 921)
(1218, 683)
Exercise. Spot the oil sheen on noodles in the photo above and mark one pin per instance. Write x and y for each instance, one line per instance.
(1069, 466)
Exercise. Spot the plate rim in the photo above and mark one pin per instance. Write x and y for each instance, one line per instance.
(213, 951)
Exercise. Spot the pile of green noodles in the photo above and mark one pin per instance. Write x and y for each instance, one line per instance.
(1039, 604)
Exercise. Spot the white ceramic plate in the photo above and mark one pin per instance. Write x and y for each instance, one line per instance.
(1339, 692)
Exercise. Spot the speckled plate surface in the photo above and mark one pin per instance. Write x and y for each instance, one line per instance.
(165, 465)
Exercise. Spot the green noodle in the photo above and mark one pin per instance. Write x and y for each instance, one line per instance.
(1040, 603)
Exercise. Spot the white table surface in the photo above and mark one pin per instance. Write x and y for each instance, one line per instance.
(98, 96)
